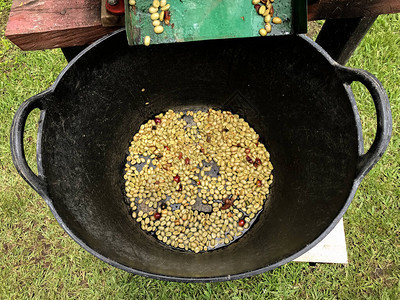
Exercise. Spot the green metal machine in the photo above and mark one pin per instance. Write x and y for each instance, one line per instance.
(193, 20)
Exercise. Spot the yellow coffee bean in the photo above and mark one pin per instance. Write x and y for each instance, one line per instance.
(262, 10)
(154, 16)
(276, 20)
(153, 10)
(156, 3)
(166, 7)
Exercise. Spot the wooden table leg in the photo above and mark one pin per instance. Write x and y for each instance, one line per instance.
(340, 37)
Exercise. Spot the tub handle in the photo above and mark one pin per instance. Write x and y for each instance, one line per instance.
(37, 182)
(383, 113)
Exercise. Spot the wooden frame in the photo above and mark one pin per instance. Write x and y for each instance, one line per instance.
(35, 25)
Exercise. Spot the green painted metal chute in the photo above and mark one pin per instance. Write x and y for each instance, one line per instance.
(194, 20)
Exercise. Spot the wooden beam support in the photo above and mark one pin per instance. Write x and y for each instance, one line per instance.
(341, 37)
(339, 9)
(45, 24)
(35, 25)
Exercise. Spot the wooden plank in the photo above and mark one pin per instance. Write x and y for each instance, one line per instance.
(340, 37)
(339, 9)
(240, 21)
(332, 249)
(45, 24)
(48, 24)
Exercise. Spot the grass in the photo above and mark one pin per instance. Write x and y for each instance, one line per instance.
(37, 259)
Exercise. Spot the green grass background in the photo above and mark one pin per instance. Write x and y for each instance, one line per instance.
(38, 260)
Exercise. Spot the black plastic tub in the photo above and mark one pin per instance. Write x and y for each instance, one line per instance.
(287, 88)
